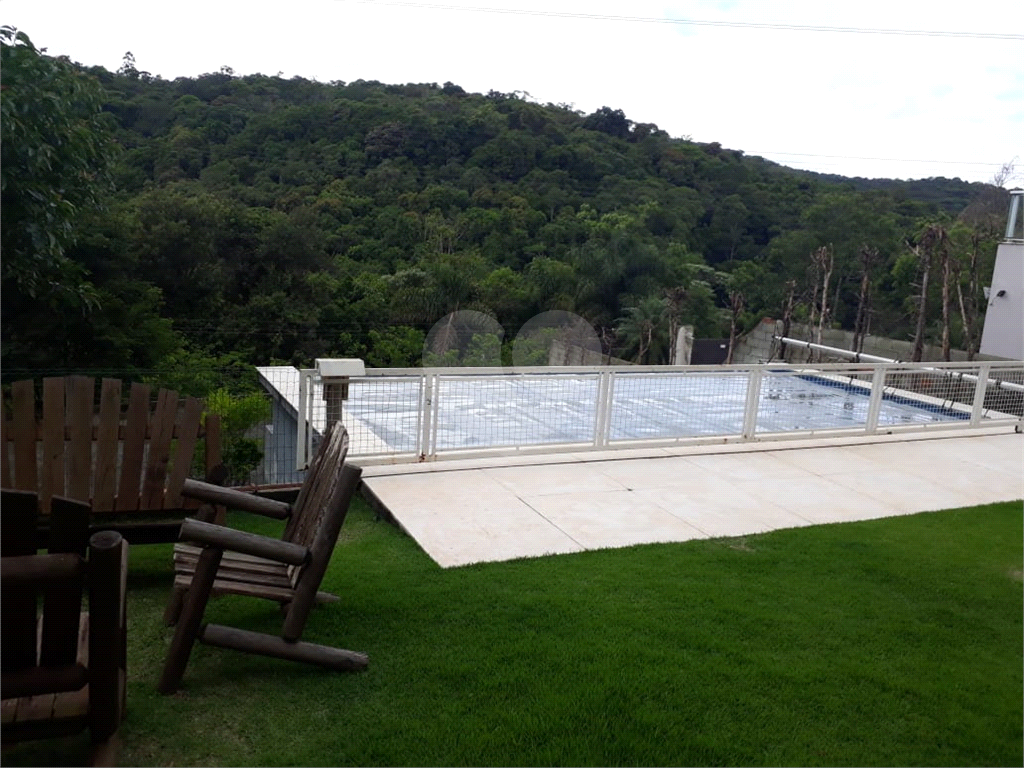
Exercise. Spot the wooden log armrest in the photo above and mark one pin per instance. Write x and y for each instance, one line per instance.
(37, 681)
(232, 499)
(220, 537)
(39, 570)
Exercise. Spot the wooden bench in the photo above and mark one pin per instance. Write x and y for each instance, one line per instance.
(63, 669)
(288, 570)
(128, 457)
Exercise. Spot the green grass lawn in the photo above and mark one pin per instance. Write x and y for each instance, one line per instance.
(890, 642)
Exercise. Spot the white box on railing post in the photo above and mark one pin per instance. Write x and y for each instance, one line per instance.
(334, 375)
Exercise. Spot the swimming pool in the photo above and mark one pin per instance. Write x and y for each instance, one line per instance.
(468, 412)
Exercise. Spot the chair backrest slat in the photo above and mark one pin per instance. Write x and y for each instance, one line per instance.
(79, 397)
(51, 483)
(328, 460)
(318, 487)
(317, 492)
(137, 421)
(307, 581)
(24, 429)
(105, 477)
(161, 434)
(184, 448)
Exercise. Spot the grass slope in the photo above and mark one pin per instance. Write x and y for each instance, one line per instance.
(889, 642)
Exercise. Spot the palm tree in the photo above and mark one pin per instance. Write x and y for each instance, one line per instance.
(643, 329)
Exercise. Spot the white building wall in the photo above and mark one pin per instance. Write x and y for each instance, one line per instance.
(1003, 334)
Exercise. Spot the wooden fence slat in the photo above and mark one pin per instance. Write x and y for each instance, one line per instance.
(24, 403)
(106, 446)
(69, 533)
(51, 481)
(159, 449)
(134, 445)
(80, 395)
(188, 431)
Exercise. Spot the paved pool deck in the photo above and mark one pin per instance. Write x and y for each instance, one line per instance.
(494, 509)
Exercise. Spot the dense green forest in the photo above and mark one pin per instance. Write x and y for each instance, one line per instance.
(165, 229)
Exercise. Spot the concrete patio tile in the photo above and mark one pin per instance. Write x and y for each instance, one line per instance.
(597, 520)
(904, 457)
(977, 480)
(1003, 452)
(652, 473)
(819, 499)
(829, 461)
(722, 509)
(906, 493)
(433, 487)
(544, 479)
(536, 508)
(500, 527)
(746, 466)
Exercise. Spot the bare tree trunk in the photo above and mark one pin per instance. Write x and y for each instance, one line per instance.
(924, 258)
(834, 308)
(813, 314)
(675, 297)
(606, 344)
(935, 238)
(946, 274)
(862, 303)
(787, 316)
(968, 328)
(812, 318)
(825, 259)
(826, 315)
(736, 307)
(868, 255)
(969, 307)
(644, 344)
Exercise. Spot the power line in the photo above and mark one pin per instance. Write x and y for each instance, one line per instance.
(702, 22)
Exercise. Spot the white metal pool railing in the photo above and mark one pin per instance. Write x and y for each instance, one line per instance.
(425, 414)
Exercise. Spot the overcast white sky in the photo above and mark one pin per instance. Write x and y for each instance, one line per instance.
(855, 103)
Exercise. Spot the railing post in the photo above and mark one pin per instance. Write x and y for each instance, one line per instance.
(304, 435)
(603, 409)
(606, 435)
(753, 400)
(978, 406)
(435, 389)
(875, 401)
(424, 419)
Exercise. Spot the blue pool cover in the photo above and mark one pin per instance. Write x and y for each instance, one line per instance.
(537, 409)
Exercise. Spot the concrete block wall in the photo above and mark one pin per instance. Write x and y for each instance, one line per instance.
(559, 353)
(758, 346)
(876, 345)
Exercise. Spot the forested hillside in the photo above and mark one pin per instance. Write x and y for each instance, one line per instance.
(252, 220)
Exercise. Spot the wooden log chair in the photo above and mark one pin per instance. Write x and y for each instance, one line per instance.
(63, 669)
(288, 570)
(129, 463)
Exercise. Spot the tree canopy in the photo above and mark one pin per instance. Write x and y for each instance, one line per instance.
(262, 219)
